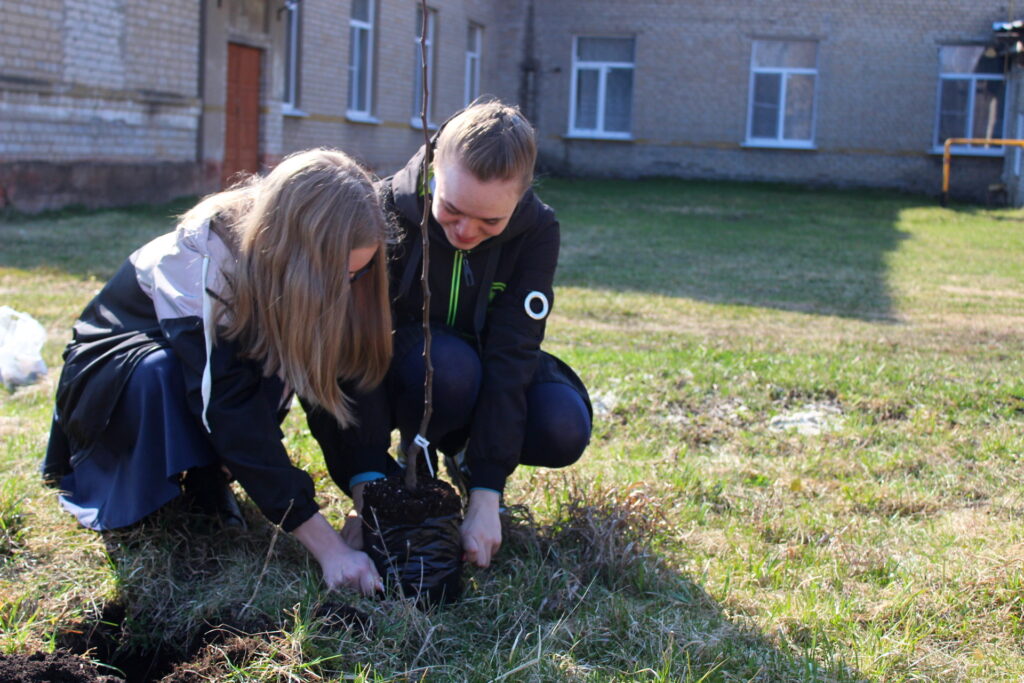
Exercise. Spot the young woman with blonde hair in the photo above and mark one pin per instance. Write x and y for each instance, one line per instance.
(183, 366)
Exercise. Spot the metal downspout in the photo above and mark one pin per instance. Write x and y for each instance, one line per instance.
(201, 80)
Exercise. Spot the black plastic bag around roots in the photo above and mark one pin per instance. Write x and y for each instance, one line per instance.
(423, 560)
(413, 538)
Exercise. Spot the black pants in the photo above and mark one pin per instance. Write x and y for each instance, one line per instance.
(558, 416)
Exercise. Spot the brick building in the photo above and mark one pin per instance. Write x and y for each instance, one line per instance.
(123, 101)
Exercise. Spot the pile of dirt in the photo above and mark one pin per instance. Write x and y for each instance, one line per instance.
(53, 667)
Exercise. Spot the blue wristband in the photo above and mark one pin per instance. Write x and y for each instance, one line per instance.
(363, 478)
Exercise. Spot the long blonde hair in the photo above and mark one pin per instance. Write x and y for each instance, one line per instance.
(290, 304)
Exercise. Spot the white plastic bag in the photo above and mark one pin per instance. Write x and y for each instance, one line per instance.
(21, 346)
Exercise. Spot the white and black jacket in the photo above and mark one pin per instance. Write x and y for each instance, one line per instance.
(162, 297)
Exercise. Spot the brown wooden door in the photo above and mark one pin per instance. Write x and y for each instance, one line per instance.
(242, 120)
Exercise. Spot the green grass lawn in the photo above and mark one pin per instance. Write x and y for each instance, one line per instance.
(700, 538)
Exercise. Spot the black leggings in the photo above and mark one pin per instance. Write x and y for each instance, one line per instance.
(558, 422)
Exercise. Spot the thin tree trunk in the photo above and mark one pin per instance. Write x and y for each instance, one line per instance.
(412, 456)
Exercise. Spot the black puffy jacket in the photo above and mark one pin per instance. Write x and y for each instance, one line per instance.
(482, 295)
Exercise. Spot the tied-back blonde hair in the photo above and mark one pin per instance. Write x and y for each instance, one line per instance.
(289, 302)
(493, 140)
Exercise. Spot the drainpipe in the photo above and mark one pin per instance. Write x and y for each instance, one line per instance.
(528, 71)
(201, 80)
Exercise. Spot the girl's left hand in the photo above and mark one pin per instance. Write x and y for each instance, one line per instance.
(481, 530)
(352, 531)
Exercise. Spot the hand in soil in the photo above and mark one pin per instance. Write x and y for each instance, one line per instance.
(342, 565)
(352, 569)
(481, 530)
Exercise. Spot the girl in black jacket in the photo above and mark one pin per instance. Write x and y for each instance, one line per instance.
(499, 401)
(186, 361)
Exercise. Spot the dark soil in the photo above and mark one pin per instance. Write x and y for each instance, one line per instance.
(53, 667)
(108, 640)
(394, 504)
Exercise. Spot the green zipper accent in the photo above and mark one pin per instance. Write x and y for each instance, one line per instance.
(453, 296)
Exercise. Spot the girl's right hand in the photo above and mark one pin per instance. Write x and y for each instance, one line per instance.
(353, 569)
(342, 565)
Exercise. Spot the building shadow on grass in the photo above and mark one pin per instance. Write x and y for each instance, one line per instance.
(773, 246)
(764, 245)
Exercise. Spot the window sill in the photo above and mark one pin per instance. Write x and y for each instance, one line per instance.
(289, 110)
(779, 144)
(604, 137)
(970, 151)
(417, 123)
(362, 117)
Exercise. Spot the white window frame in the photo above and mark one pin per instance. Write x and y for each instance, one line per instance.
(969, 150)
(415, 121)
(471, 89)
(779, 141)
(355, 68)
(293, 37)
(602, 68)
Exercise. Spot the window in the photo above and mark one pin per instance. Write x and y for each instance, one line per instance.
(781, 104)
(360, 60)
(417, 88)
(291, 55)
(474, 37)
(971, 98)
(601, 100)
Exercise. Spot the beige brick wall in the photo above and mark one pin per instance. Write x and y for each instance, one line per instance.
(876, 87)
(28, 33)
(93, 34)
(162, 46)
(99, 80)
